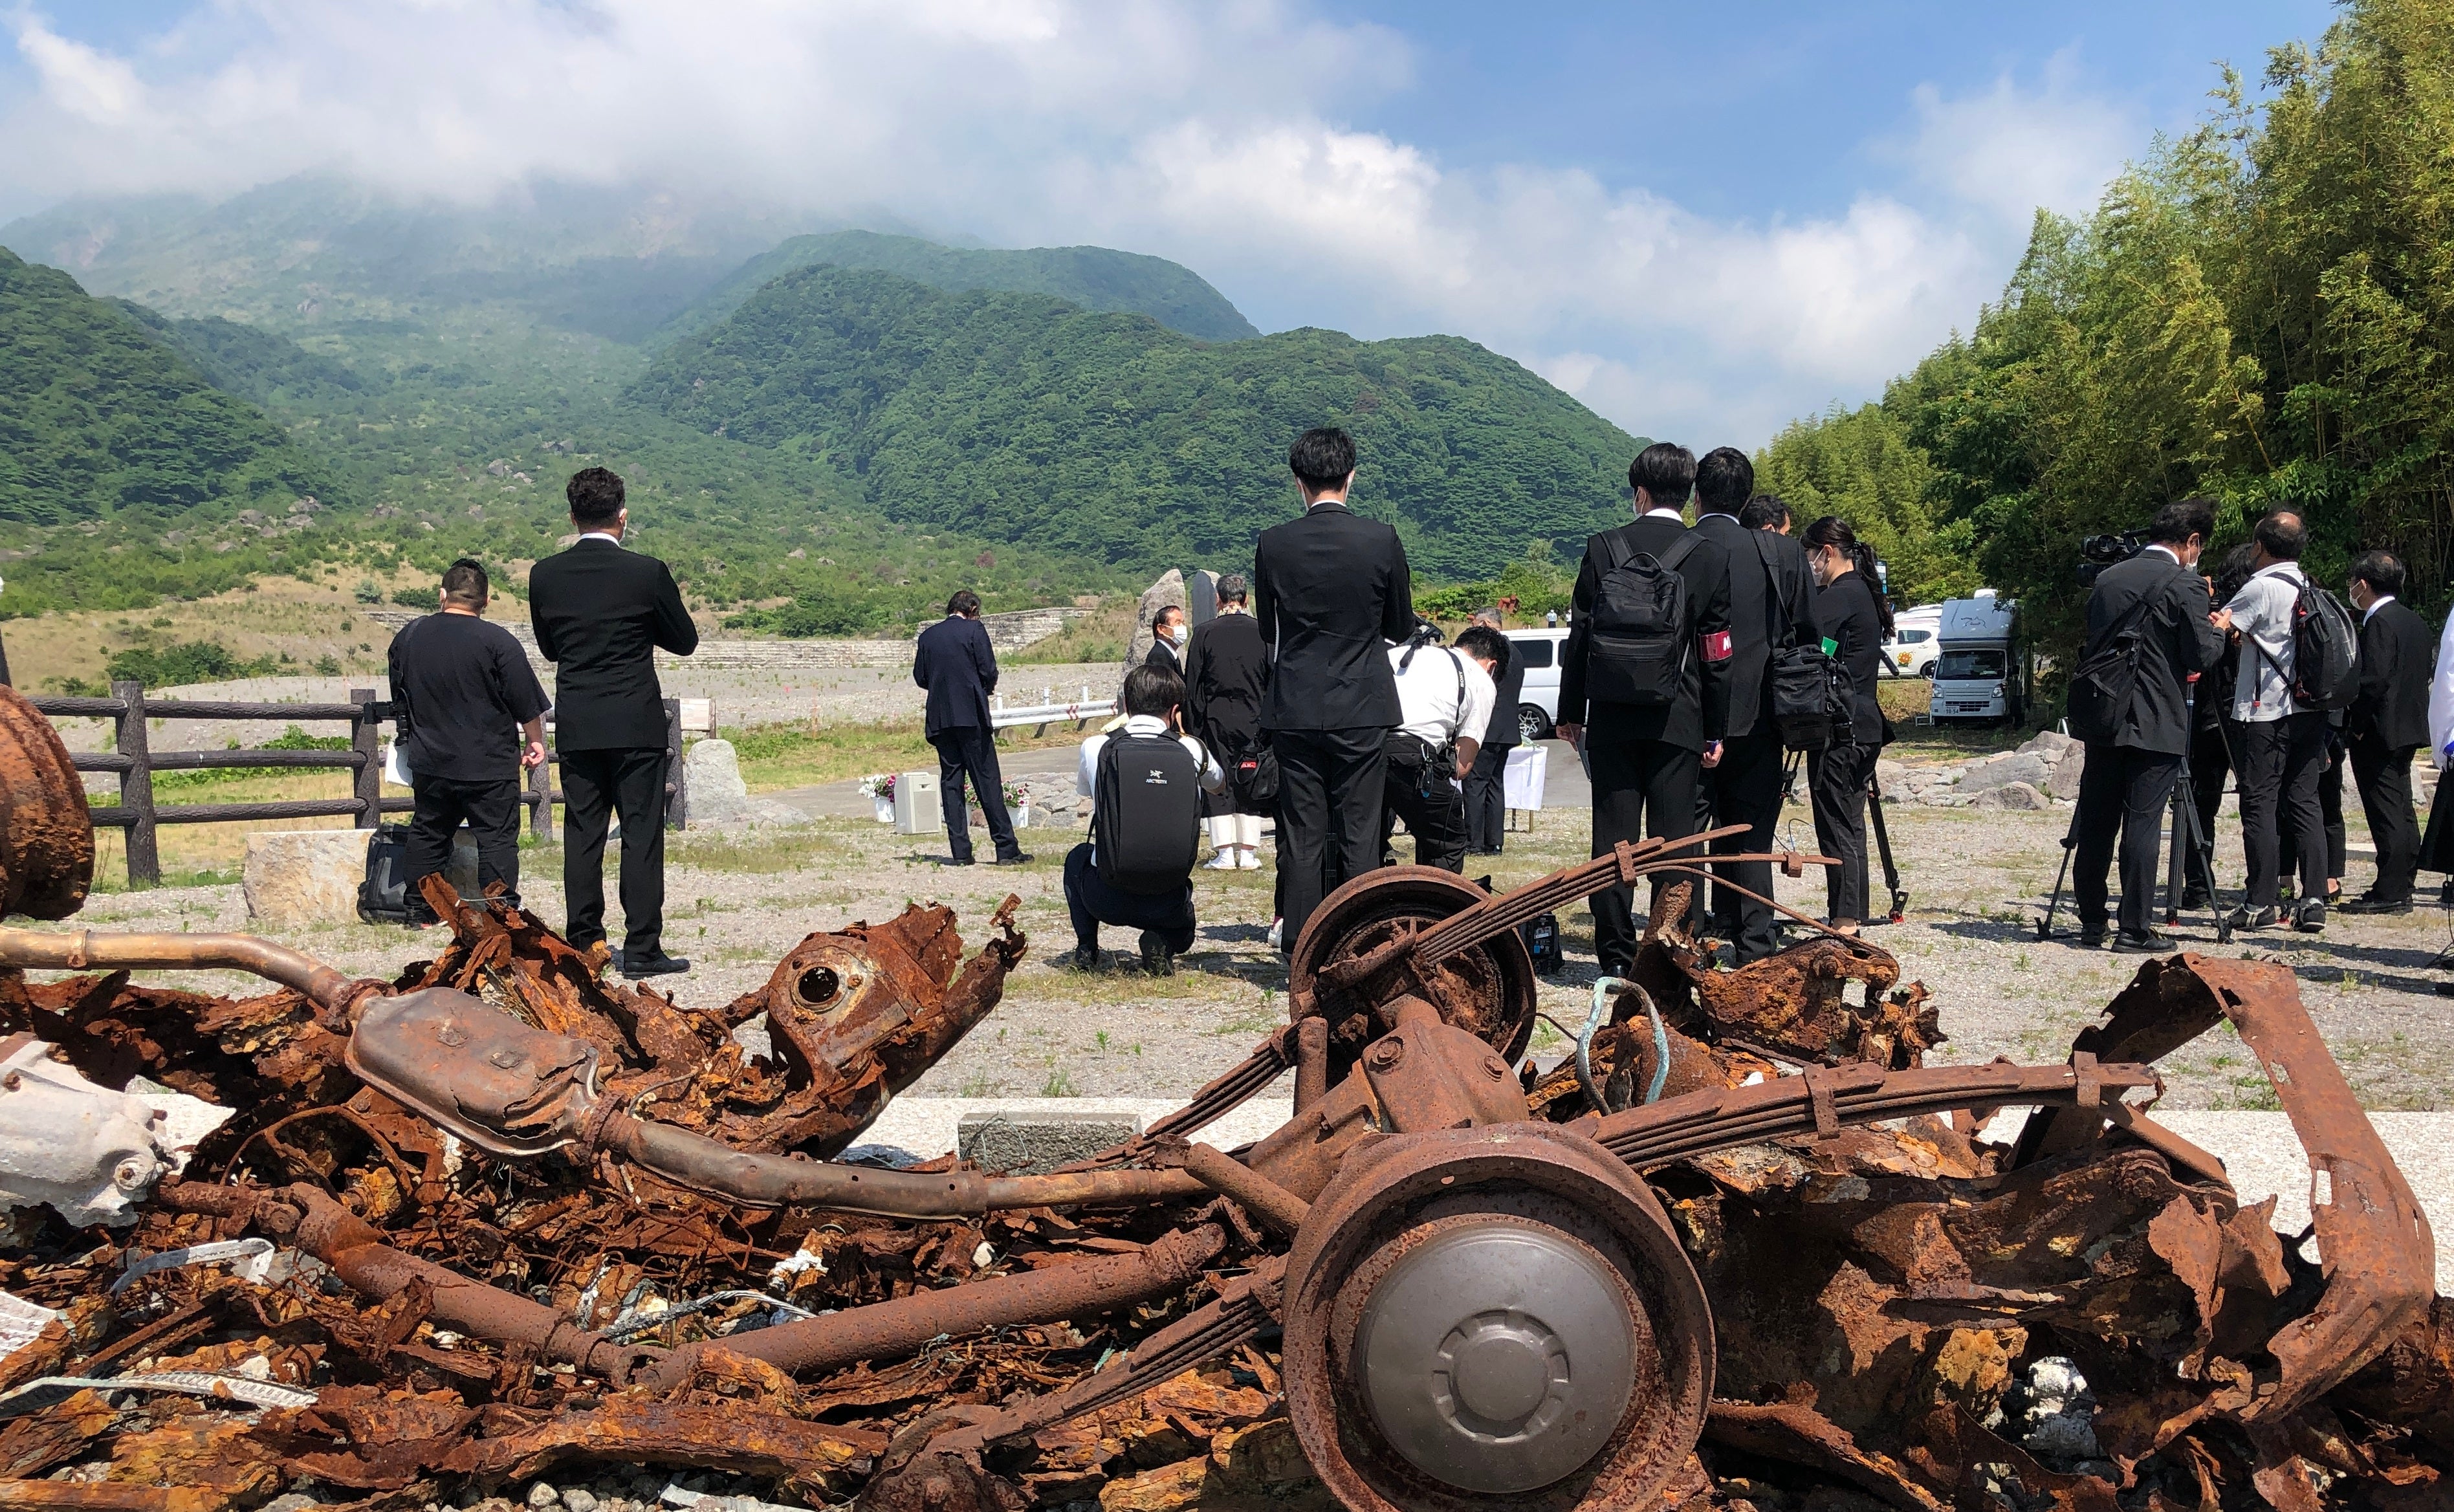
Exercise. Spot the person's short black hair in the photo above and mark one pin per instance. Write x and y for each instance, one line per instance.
(1153, 691)
(1321, 457)
(1667, 471)
(2282, 534)
(464, 582)
(1766, 512)
(1484, 644)
(1233, 589)
(1725, 477)
(1158, 615)
(965, 603)
(2235, 567)
(2382, 572)
(595, 495)
(2180, 519)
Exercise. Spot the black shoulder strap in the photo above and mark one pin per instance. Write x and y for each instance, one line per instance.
(1614, 552)
(1678, 553)
(1785, 629)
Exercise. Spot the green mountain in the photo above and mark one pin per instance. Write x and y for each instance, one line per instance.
(1093, 277)
(1107, 434)
(256, 365)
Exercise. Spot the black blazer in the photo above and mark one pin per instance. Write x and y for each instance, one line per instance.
(1226, 671)
(2391, 709)
(1163, 655)
(1504, 730)
(1772, 603)
(954, 662)
(1702, 713)
(1331, 591)
(600, 614)
(1845, 615)
(2176, 641)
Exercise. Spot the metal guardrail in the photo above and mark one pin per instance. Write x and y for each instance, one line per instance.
(1048, 711)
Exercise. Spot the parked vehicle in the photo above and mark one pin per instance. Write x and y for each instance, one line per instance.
(1538, 651)
(1982, 672)
(1916, 642)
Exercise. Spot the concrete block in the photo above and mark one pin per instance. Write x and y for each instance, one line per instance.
(294, 878)
(1039, 1138)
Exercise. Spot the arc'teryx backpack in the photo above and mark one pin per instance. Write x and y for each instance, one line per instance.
(1146, 812)
(1636, 643)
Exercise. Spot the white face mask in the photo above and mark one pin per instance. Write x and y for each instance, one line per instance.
(1179, 634)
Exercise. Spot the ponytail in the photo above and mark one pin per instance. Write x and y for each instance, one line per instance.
(1835, 531)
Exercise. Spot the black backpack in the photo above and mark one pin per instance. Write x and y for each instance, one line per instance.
(1636, 632)
(383, 895)
(1810, 698)
(1146, 812)
(2325, 651)
(2101, 685)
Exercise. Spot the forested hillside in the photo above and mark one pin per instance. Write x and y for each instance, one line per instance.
(1109, 434)
(2261, 311)
(1093, 277)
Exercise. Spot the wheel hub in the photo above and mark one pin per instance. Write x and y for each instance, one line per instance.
(1498, 1357)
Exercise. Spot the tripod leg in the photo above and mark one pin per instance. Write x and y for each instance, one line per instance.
(2070, 839)
(2175, 861)
(1883, 848)
(2201, 850)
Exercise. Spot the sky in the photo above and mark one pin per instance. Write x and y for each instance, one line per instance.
(1704, 221)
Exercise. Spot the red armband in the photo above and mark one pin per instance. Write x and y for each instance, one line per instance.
(1716, 646)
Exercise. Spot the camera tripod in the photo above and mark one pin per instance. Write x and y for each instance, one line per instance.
(1882, 835)
(2188, 844)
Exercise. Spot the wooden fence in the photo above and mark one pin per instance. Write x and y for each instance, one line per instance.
(134, 761)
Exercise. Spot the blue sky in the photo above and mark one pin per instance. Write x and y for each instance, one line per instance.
(1703, 221)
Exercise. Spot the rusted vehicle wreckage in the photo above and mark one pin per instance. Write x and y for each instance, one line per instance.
(416, 1243)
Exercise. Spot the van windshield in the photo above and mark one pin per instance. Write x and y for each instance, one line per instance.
(1970, 664)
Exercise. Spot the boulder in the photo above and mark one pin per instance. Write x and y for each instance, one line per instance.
(718, 798)
(2065, 782)
(1892, 780)
(2012, 795)
(1168, 590)
(2018, 766)
(297, 877)
(2051, 744)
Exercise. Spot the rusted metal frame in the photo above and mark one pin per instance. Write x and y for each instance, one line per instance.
(1277, 1208)
(86, 948)
(892, 1329)
(1684, 1127)
(1225, 1093)
(1312, 1061)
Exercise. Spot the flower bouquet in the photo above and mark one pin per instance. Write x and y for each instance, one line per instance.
(879, 786)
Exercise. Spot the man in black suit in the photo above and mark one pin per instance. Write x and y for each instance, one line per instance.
(1645, 757)
(2387, 726)
(2128, 778)
(1772, 603)
(600, 614)
(1168, 635)
(1486, 786)
(954, 662)
(1331, 589)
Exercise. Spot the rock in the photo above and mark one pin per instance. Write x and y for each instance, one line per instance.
(2003, 770)
(578, 1499)
(542, 1496)
(2012, 795)
(2051, 744)
(717, 800)
(1892, 780)
(294, 877)
(1168, 590)
(1040, 1140)
(2063, 784)
(292, 1502)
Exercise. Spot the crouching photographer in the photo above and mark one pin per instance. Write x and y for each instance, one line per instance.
(1145, 784)
(2150, 628)
(1445, 698)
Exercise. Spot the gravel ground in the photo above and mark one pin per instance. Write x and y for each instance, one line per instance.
(1977, 881)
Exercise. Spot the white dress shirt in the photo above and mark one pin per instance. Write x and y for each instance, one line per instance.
(2441, 701)
(1443, 693)
(2262, 613)
(2376, 604)
(1086, 772)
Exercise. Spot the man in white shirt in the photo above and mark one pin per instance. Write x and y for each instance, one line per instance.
(1163, 912)
(2283, 746)
(1444, 697)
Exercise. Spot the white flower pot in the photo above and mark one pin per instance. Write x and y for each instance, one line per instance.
(885, 808)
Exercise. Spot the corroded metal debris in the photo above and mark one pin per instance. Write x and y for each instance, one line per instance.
(512, 1220)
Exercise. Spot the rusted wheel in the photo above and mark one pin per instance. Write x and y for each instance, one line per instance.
(1487, 991)
(46, 830)
(1479, 1318)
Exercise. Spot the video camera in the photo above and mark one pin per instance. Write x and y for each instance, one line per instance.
(2097, 553)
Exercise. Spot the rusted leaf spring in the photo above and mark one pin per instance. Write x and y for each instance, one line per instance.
(106, 1496)
(46, 950)
(891, 1330)
(45, 829)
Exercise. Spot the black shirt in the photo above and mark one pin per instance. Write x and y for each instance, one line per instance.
(461, 689)
(1844, 612)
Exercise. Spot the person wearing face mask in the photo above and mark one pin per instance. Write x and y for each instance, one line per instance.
(1851, 617)
(1168, 634)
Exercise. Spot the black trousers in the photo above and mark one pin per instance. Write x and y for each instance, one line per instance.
(1744, 788)
(1836, 783)
(595, 785)
(1329, 788)
(1641, 787)
(970, 750)
(1091, 902)
(491, 810)
(2382, 775)
(2330, 819)
(2211, 759)
(1419, 786)
(1486, 800)
(2282, 762)
(2122, 790)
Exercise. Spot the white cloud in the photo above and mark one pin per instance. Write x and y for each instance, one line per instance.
(1195, 132)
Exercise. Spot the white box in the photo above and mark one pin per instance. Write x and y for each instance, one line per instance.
(918, 810)
(1523, 779)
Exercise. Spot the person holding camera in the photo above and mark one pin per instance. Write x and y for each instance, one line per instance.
(1444, 697)
(2150, 616)
(1145, 783)
(2283, 746)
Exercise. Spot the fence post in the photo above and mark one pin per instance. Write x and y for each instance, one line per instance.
(365, 734)
(136, 787)
(677, 787)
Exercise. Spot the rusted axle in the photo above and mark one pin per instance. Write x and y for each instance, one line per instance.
(86, 948)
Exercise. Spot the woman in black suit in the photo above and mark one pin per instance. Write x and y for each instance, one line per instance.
(1225, 670)
(1851, 615)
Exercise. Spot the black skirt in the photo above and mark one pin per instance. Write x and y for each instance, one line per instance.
(2436, 846)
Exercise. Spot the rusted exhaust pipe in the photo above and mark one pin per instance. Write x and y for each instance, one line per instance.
(892, 1330)
(87, 949)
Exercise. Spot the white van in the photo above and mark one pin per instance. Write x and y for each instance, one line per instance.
(1538, 651)
(1981, 675)
(1915, 642)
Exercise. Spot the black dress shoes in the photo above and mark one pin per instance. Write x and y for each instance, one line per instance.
(2366, 904)
(2150, 943)
(658, 964)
